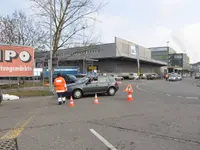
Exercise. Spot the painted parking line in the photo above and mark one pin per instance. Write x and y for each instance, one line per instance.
(192, 97)
(14, 133)
(110, 146)
(138, 87)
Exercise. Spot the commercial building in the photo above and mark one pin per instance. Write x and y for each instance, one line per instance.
(161, 53)
(117, 57)
(195, 67)
(178, 62)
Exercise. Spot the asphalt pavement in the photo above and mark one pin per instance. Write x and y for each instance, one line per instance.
(152, 121)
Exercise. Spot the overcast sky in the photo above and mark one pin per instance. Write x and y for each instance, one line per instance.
(149, 23)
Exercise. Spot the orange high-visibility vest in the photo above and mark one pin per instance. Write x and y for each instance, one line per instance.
(60, 84)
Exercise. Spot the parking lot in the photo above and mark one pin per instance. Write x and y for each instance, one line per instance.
(163, 115)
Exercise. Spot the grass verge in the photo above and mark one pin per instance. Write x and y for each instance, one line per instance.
(31, 93)
(15, 86)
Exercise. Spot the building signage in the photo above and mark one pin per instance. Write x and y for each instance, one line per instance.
(133, 50)
(16, 61)
(178, 57)
(159, 49)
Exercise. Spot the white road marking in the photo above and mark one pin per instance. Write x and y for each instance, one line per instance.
(192, 97)
(137, 86)
(168, 94)
(103, 140)
(195, 84)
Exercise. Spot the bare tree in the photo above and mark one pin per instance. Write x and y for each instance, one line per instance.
(70, 17)
(21, 30)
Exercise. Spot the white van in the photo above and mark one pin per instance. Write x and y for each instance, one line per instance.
(127, 75)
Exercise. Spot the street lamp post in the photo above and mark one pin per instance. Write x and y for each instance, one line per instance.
(84, 58)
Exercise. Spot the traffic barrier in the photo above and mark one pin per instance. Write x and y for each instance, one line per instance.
(71, 102)
(96, 101)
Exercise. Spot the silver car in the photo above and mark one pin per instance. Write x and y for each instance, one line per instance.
(173, 77)
(179, 77)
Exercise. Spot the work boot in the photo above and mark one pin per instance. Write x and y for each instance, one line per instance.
(59, 101)
(63, 100)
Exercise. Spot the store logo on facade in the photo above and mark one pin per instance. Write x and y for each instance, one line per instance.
(133, 50)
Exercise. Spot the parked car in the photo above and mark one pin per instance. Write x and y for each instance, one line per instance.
(135, 75)
(157, 76)
(143, 76)
(152, 76)
(117, 77)
(127, 75)
(84, 86)
(68, 78)
(173, 77)
(81, 75)
(179, 77)
(197, 76)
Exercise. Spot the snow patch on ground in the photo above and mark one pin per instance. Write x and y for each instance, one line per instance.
(7, 97)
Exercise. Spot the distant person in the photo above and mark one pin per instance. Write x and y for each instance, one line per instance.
(166, 76)
(61, 87)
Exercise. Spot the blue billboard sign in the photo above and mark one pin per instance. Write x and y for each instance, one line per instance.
(73, 70)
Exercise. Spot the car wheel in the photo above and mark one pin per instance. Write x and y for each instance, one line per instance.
(77, 94)
(111, 91)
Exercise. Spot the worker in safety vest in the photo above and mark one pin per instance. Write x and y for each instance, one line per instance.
(166, 76)
(61, 87)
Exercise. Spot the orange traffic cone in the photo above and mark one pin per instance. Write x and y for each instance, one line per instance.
(130, 97)
(71, 102)
(96, 101)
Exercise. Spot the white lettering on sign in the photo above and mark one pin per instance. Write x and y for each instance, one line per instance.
(25, 56)
(16, 69)
(9, 55)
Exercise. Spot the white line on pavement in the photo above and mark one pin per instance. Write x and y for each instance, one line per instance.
(192, 97)
(137, 86)
(103, 140)
(168, 94)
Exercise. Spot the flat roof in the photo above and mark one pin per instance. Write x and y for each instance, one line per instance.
(150, 61)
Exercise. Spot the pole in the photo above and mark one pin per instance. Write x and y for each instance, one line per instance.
(167, 43)
(51, 52)
(84, 59)
(138, 58)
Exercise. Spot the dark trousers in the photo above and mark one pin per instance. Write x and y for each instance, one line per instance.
(60, 94)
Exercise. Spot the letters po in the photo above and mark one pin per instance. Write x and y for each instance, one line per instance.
(9, 55)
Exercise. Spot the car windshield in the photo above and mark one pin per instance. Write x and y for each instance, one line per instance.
(172, 76)
(81, 80)
(111, 79)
